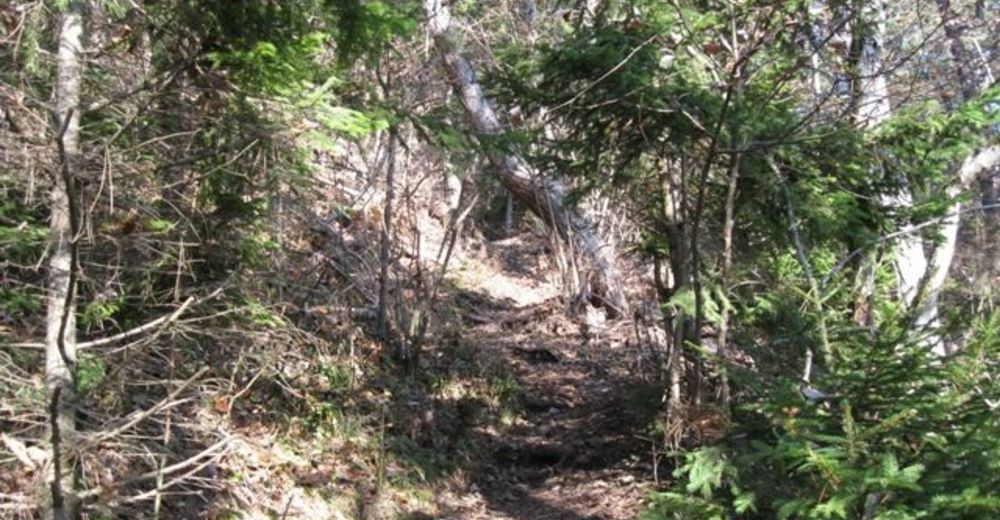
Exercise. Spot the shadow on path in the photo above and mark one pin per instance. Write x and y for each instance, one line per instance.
(574, 449)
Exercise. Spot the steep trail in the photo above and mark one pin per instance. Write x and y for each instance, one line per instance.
(574, 448)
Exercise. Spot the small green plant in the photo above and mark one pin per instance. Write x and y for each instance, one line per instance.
(19, 301)
(505, 390)
(24, 240)
(337, 377)
(257, 248)
(158, 225)
(323, 416)
(264, 317)
(90, 372)
(98, 311)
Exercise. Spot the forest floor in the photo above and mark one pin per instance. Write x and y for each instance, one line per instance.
(518, 411)
(572, 452)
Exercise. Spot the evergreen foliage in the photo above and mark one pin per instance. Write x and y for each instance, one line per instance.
(905, 436)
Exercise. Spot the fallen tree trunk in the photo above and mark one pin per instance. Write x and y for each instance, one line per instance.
(546, 198)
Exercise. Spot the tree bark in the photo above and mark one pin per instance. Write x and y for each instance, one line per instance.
(60, 339)
(680, 322)
(953, 31)
(546, 198)
(385, 243)
(727, 266)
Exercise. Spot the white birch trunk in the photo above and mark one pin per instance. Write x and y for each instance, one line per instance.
(944, 251)
(926, 309)
(60, 339)
(920, 280)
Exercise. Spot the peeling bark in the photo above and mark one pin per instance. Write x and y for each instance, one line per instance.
(546, 198)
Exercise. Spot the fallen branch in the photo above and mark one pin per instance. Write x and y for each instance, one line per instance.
(162, 321)
(32, 457)
(158, 324)
(139, 416)
(173, 468)
(172, 482)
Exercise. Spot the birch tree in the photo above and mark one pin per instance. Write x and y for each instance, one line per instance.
(972, 167)
(871, 107)
(60, 344)
(921, 275)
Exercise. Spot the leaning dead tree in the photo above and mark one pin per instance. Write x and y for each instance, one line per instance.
(545, 197)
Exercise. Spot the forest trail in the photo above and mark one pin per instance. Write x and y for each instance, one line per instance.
(573, 449)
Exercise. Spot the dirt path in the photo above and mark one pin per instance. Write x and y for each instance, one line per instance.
(574, 450)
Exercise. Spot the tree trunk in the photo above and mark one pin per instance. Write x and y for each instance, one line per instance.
(727, 266)
(920, 280)
(926, 308)
(963, 64)
(385, 245)
(60, 338)
(680, 322)
(989, 196)
(944, 251)
(872, 107)
(544, 197)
